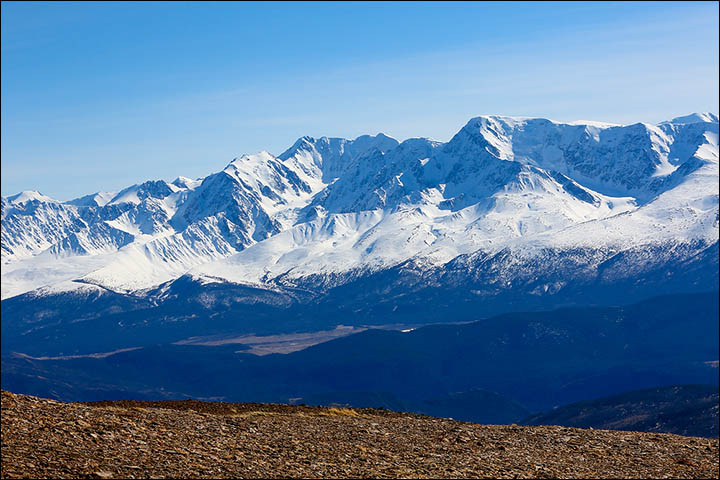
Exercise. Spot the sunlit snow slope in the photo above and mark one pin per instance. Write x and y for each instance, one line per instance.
(334, 209)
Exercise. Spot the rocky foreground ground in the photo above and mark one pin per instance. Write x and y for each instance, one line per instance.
(47, 439)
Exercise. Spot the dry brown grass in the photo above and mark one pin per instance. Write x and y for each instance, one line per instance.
(335, 411)
(325, 412)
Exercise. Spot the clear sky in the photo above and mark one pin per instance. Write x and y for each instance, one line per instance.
(100, 96)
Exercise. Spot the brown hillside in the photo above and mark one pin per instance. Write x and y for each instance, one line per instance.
(43, 438)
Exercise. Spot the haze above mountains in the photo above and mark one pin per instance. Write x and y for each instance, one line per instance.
(507, 192)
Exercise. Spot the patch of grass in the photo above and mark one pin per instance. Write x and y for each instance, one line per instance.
(334, 412)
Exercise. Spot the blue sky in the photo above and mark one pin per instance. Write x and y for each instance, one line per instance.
(99, 96)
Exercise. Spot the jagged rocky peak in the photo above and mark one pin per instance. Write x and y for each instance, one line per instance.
(612, 159)
(137, 193)
(335, 146)
(328, 206)
(186, 183)
(333, 155)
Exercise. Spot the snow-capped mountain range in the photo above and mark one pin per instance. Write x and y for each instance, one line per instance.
(330, 210)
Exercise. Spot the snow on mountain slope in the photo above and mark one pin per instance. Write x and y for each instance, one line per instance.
(487, 190)
(186, 183)
(28, 196)
(48, 270)
(159, 230)
(380, 238)
(331, 156)
(333, 206)
(617, 161)
(30, 227)
(705, 117)
(137, 193)
(99, 199)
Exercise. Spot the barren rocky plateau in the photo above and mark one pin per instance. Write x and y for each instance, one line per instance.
(43, 438)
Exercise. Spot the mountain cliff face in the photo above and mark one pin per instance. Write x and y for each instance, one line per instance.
(528, 208)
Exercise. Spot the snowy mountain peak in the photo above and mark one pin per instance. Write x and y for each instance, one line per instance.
(705, 117)
(186, 183)
(332, 155)
(98, 199)
(29, 196)
(137, 193)
(331, 208)
(335, 146)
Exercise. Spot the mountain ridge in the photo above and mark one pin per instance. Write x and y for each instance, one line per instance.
(332, 206)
